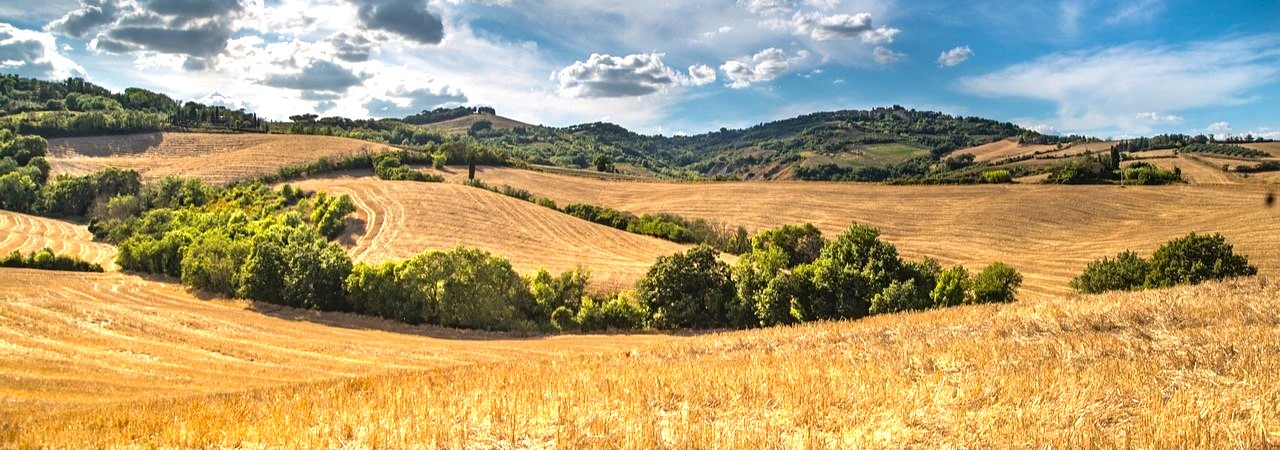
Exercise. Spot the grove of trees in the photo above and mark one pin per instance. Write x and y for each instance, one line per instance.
(1191, 259)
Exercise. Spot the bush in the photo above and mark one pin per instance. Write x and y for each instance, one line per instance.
(45, 259)
(666, 226)
(997, 176)
(899, 296)
(1127, 271)
(601, 215)
(212, 262)
(688, 290)
(618, 313)
(997, 283)
(1194, 259)
(952, 288)
(439, 159)
(1146, 174)
(329, 213)
(295, 267)
(550, 293)
(851, 270)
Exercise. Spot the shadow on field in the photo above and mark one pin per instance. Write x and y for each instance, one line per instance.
(354, 321)
(351, 232)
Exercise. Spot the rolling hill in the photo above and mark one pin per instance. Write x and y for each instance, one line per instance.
(72, 339)
(1048, 232)
(26, 233)
(400, 219)
(1188, 366)
(213, 157)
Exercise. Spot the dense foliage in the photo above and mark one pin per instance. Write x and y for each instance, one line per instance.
(791, 275)
(75, 107)
(1192, 259)
(45, 259)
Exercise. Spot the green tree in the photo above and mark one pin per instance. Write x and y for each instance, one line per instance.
(688, 290)
(997, 283)
(1127, 271)
(1194, 259)
(212, 262)
(439, 159)
(17, 192)
(952, 288)
(851, 270)
(901, 295)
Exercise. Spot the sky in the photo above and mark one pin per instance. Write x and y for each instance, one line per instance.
(1095, 67)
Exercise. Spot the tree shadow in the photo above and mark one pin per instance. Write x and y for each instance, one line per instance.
(351, 232)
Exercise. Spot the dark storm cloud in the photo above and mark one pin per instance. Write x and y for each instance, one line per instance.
(91, 15)
(322, 76)
(407, 18)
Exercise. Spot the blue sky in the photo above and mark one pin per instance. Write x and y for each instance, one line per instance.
(1096, 67)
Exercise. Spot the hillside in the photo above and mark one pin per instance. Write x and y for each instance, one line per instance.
(69, 339)
(1182, 367)
(26, 233)
(462, 125)
(1048, 232)
(400, 219)
(215, 158)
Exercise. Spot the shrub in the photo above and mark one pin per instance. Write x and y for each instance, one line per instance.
(1127, 271)
(563, 319)
(997, 176)
(952, 288)
(617, 313)
(801, 244)
(666, 226)
(550, 293)
(212, 262)
(439, 159)
(1146, 174)
(688, 290)
(1194, 259)
(997, 283)
(295, 267)
(329, 213)
(45, 259)
(601, 215)
(899, 296)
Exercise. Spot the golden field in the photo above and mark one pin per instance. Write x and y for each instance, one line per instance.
(215, 158)
(1048, 232)
(27, 233)
(400, 219)
(1190, 367)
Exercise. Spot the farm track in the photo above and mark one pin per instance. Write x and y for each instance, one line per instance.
(400, 219)
(70, 339)
(27, 233)
(215, 158)
(1047, 232)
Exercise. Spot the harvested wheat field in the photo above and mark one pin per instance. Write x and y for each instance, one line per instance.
(1270, 147)
(1001, 149)
(27, 234)
(400, 219)
(216, 158)
(1189, 367)
(69, 339)
(1194, 171)
(1047, 232)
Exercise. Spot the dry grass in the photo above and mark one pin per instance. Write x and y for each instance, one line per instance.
(70, 339)
(1179, 368)
(1270, 147)
(462, 125)
(27, 234)
(1004, 148)
(1048, 232)
(400, 219)
(214, 158)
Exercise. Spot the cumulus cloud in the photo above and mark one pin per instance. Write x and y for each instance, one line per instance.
(701, 75)
(822, 27)
(402, 103)
(764, 66)
(91, 15)
(198, 29)
(33, 54)
(320, 75)
(606, 76)
(955, 56)
(409, 19)
(351, 47)
(886, 56)
(1106, 89)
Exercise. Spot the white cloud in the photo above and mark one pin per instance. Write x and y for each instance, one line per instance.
(821, 27)
(34, 54)
(701, 74)
(886, 56)
(606, 76)
(1156, 117)
(1218, 127)
(768, 6)
(764, 66)
(1107, 89)
(216, 98)
(955, 56)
